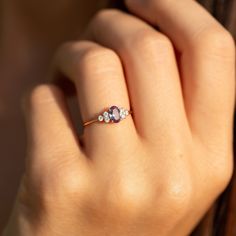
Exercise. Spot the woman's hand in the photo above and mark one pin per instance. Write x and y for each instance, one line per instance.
(158, 171)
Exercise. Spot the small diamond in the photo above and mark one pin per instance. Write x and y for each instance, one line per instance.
(107, 119)
(126, 112)
(122, 110)
(106, 114)
(122, 113)
(100, 118)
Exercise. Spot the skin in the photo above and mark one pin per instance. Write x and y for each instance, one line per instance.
(160, 169)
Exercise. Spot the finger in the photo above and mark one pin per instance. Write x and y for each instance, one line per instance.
(151, 71)
(52, 141)
(98, 75)
(206, 61)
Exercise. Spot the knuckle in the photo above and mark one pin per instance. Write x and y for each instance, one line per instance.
(216, 40)
(73, 182)
(89, 57)
(130, 198)
(149, 41)
(178, 194)
(100, 61)
(42, 94)
(99, 57)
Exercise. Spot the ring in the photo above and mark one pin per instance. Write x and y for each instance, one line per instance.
(114, 114)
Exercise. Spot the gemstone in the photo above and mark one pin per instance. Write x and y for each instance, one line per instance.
(122, 113)
(126, 112)
(114, 113)
(107, 119)
(100, 118)
(122, 110)
(106, 114)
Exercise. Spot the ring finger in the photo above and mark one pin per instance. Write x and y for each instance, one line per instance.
(98, 76)
(151, 71)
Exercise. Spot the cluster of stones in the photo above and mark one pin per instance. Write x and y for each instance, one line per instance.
(114, 114)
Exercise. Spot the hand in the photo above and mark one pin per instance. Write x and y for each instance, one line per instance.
(155, 173)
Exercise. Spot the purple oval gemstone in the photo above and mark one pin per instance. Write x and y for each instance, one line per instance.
(114, 113)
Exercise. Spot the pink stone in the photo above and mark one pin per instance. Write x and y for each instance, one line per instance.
(114, 113)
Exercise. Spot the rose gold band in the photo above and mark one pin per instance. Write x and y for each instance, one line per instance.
(90, 122)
